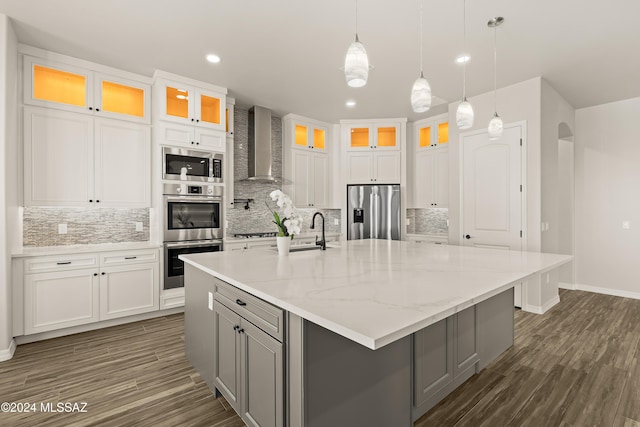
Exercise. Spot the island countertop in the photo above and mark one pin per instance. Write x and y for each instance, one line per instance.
(375, 292)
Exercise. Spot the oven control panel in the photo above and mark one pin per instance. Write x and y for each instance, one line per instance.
(192, 190)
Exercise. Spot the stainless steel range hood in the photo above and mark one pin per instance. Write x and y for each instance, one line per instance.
(260, 168)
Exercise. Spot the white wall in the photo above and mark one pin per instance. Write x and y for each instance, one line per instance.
(9, 214)
(515, 103)
(557, 117)
(607, 193)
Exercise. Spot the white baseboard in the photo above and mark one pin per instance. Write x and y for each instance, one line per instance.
(607, 291)
(569, 286)
(536, 309)
(8, 353)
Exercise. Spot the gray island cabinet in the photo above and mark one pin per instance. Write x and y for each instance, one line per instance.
(367, 333)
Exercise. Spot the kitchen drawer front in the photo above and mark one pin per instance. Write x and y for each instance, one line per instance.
(267, 317)
(129, 257)
(59, 263)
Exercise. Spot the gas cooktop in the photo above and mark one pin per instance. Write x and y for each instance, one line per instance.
(255, 235)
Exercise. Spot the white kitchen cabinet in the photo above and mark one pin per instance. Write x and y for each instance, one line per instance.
(61, 291)
(72, 159)
(307, 161)
(372, 135)
(60, 299)
(191, 136)
(182, 100)
(310, 179)
(373, 150)
(63, 86)
(382, 167)
(126, 290)
(432, 178)
(306, 134)
(431, 132)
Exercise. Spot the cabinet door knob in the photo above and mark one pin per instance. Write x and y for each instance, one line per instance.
(97, 201)
(103, 273)
(90, 108)
(192, 120)
(90, 200)
(197, 143)
(197, 120)
(467, 237)
(95, 274)
(97, 109)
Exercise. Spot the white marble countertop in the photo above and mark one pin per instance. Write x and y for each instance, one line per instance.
(298, 237)
(375, 291)
(30, 251)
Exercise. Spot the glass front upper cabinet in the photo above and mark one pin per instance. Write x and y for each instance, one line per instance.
(65, 87)
(187, 104)
(433, 134)
(377, 136)
(309, 137)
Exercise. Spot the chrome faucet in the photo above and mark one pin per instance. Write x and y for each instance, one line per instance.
(322, 243)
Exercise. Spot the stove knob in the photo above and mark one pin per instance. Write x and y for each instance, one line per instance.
(210, 190)
(179, 190)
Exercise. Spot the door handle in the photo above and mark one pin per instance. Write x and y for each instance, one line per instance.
(467, 236)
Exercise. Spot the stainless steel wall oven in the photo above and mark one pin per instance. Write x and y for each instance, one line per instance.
(193, 223)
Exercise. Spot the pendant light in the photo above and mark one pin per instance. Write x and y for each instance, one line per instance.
(464, 113)
(356, 62)
(421, 91)
(495, 125)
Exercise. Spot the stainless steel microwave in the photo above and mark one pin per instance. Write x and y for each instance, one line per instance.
(183, 164)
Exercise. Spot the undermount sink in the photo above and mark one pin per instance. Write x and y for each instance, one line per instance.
(304, 248)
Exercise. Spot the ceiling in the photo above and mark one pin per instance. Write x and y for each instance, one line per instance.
(287, 54)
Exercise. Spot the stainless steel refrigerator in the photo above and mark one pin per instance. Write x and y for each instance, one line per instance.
(373, 212)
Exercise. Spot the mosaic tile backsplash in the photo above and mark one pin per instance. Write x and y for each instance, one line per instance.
(258, 217)
(84, 226)
(428, 221)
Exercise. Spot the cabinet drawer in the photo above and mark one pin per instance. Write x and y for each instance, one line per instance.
(128, 257)
(267, 317)
(59, 263)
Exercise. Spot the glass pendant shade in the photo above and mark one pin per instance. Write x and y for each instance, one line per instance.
(356, 65)
(421, 95)
(464, 115)
(495, 127)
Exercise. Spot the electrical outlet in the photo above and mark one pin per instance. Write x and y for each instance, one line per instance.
(62, 228)
(626, 225)
(138, 226)
(210, 301)
(336, 221)
(408, 221)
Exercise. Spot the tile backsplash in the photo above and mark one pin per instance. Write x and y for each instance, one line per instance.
(84, 226)
(258, 218)
(427, 221)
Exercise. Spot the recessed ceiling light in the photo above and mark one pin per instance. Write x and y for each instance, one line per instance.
(214, 59)
(461, 59)
(350, 103)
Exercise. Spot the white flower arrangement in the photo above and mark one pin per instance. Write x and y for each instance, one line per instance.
(289, 224)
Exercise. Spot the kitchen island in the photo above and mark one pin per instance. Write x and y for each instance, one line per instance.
(368, 332)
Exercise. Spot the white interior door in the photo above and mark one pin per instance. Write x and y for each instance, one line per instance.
(492, 192)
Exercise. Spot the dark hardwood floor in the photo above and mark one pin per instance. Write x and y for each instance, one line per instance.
(577, 365)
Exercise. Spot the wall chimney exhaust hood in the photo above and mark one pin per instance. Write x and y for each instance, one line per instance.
(260, 168)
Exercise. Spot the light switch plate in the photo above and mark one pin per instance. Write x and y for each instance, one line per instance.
(138, 226)
(62, 228)
(210, 301)
(336, 221)
(408, 221)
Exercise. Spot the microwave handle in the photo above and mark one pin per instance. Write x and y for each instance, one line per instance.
(196, 244)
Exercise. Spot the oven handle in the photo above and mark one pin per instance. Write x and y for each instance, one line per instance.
(194, 244)
(198, 199)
